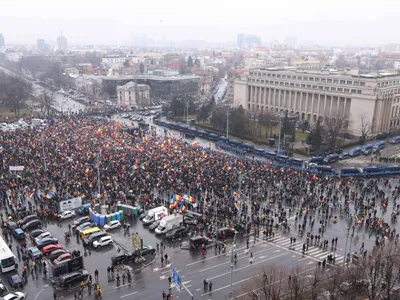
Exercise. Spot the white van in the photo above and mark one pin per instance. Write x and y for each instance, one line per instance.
(169, 222)
(155, 214)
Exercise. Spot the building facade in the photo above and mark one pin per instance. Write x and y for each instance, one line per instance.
(2, 41)
(62, 43)
(162, 88)
(324, 94)
(133, 94)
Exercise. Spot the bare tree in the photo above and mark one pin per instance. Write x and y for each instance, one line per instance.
(365, 127)
(268, 120)
(333, 125)
(48, 101)
(15, 92)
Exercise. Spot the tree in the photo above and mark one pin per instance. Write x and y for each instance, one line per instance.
(15, 92)
(182, 66)
(365, 127)
(48, 101)
(197, 63)
(304, 126)
(126, 63)
(333, 126)
(190, 62)
(314, 139)
(288, 127)
(268, 120)
(141, 67)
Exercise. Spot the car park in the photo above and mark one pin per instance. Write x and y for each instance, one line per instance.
(67, 214)
(73, 278)
(103, 241)
(50, 248)
(56, 253)
(112, 225)
(34, 224)
(14, 296)
(34, 253)
(176, 233)
(62, 257)
(46, 241)
(80, 221)
(15, 281)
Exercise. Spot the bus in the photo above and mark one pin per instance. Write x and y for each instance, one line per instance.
(7, 258)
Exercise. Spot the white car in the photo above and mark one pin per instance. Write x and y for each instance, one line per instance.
(14, 296)
(103, 241)
(42, 236)
(67, 214)
(112, 225)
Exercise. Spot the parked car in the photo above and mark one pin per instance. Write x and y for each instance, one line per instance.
(50, 248)
(35, 233)
(27, 219)
(112, 225)
(153, 226)
(80, 221)
(46, 241)
(148, 250)
(18, 233)
(56, 253)
(14, 296)
(67, 214)
(176, 233)
(62, 257)
(83, 227)
(34, 253)
(103, 241)
(42, 236)
(34, 224)
(121, 258)
(344, 155)
(15, 281)
(94, 237)
(73, 278)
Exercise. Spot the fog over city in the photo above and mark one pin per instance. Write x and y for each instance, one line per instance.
(319, 22)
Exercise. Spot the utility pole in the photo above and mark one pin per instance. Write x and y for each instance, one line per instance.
(232, 252)
(227, 123)
(279, 138)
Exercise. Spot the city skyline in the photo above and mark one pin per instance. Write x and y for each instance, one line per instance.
(307, 21)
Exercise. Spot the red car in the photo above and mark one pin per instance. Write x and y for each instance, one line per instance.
(62, 257)
(50, 248)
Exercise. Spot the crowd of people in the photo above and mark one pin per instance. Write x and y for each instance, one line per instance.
(72, 156)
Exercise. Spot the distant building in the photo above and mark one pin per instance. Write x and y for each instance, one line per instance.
(163, 88)
(249, 40)
(240, 39)
(133, 94)
(41, 45)
(62, 43)
(2, 41)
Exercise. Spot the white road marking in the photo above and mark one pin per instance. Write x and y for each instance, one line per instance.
(127, 295)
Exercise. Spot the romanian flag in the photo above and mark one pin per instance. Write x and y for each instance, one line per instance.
(49, 196)
(192, 199)
(99, 131)
(178, 197)
(144, 138)
(30, 195)
(97, 195)
(135, 167)
(228, 168)
(235, 194)
(237, 206)
(87, 171)
(142, 166)
(183, 208)
(194, 144)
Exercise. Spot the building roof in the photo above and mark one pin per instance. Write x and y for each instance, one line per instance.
(150, 77)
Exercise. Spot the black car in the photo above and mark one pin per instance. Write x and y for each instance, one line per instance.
(198, 241)
(46, 241)
(229, 232)
(34, 224)
(56, 253)
(153, 226)
(148, 250)
(73, 278)
(27, 219)
(122, 258)
(35, 233)
(176, 233)
(15, 281)
(80, 221)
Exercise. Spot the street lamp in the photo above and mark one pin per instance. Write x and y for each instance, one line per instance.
(233, 248)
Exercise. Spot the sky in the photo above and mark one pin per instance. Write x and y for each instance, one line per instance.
(337, 22)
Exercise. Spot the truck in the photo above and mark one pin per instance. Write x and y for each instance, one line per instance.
(154, 214)
(169, 222)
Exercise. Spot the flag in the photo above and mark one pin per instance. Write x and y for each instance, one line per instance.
(30, 195)
(99, 131)
(228, 168)
(97, 195)
(183, 208)
(237, 206)
(235, 194)
(192, 199)
(194, 144)
(87, 171)
(144, 138)
(178, 197)
(135, 167)
(142, 166)
(49, 196)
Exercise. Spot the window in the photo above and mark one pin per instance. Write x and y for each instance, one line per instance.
(329, 80)
(287, 83)
(353, 91)
(356, 83)
(323, 79)
(314, 87)
(342, 81)
(281, 83)
(349, 82)
(362, 83)
(289, 77)
(297, 85)
(317, 79)
(333, 89)
(279, 76)
(291, 84)
(303, 85)
(358, 91)
(346, 90)
(311, 78)
(340, 90)
(336, 81)
(273, 75)
(327, 88)
(268, 75)
(308, 86)
(320, 87)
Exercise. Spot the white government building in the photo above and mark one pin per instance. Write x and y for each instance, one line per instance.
(133, 94)
(324, 94)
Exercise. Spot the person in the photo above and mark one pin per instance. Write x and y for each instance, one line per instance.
(166, 258)
(169, 280)
(210, 284)
(163, 295)
(99, 293)
(96, 274)
(117, 277)
(205, 283)
(55, 296)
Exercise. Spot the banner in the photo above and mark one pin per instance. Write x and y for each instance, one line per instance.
(70, 204)
(16, 168)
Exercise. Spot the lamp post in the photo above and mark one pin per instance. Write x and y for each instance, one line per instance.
(232, 252)
(279, 138)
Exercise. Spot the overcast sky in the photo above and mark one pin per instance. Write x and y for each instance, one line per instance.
(114, 22)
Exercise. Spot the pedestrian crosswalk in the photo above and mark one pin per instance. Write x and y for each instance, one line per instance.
(313, 252)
